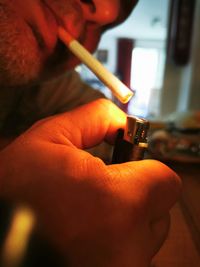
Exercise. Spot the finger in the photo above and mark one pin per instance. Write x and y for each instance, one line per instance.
(150, 183)
(92, 123)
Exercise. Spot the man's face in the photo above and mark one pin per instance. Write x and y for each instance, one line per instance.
(29, 45)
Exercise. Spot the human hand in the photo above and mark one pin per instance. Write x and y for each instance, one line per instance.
(96, 215)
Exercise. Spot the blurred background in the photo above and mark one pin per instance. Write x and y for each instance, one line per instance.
(156, 53)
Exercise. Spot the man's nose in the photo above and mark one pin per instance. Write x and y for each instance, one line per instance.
(101, 11)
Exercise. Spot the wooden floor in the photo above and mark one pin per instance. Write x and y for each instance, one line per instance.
(182, 248)
(179, 250)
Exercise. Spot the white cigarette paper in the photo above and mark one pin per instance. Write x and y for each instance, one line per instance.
(120, 90)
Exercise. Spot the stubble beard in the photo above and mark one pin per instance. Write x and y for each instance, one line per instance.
(18, 50)
(22, 59)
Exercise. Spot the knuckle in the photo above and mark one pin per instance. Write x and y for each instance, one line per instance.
(105, 104)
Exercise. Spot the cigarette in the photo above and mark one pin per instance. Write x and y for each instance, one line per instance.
(120, 90)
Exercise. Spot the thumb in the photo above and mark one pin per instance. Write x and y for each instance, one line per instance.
(88, 125)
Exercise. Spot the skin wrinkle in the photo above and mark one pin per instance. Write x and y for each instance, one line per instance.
(125, 188)
(38, 36)
(75, 135)
(61, 137)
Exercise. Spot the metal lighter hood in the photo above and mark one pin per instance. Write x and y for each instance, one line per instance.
(136, 130)
(131, 142)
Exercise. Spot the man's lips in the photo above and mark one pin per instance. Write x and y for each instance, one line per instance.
(47, 20)
(73, 21)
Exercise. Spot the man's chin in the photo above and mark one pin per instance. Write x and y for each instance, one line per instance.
(31, 68)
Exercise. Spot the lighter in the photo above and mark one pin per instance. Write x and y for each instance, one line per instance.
(131, 142)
